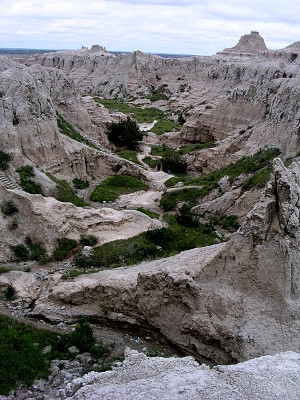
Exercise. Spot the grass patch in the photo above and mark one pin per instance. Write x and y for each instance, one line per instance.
(188, 148)
(21, 356)
(141, 115)
(111, 188)
(73, 274)
(129, 155)
(151, 214)
(67, 129)
(65, 193)
(150, 161)
(164, 125)
(3, 270)
(173, 181)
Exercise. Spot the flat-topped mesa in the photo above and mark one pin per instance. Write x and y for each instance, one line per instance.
(251, 43)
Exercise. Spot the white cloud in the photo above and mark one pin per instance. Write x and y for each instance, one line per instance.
(190, 27)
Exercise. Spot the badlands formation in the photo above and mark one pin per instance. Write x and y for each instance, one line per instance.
(230, 302)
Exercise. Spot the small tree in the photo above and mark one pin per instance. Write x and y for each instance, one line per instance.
(124, 133)
(174, 162)
(82, 337)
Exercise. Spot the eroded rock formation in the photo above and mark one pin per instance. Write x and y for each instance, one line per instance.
(228, 302)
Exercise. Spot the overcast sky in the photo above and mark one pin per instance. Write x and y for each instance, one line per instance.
(200, 27)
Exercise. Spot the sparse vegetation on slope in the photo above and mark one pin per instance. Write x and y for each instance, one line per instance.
(157, 243)
(27, 184)
(22, 359)
(65, 193)
(247, 165)
(67, 129)
(111, 188)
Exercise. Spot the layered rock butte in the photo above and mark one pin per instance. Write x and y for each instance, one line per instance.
(229, 302)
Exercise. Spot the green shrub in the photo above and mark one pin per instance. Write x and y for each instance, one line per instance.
(82, 337)
(13, 225)
(20, 251)
(111, 188)
(124, 133)
(185, 217)
(130, 155)
(4, 160)
(3, 270)
(27, 184)
(26, 171)
(88, 240)
(8, 208)
(80, 183)
(81, 260)
(64, 248)
(9, 293)
(150, 161)
(37, 251)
